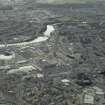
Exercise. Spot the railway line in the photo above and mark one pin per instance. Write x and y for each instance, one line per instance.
(32, 40)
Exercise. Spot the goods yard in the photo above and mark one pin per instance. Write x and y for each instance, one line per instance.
(52, 54)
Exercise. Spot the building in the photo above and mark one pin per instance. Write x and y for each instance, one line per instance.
(7, 58)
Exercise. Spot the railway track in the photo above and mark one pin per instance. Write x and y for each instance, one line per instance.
(22, 32)
(10, 30)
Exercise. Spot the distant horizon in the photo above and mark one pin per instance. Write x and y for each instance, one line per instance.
(6, 2)
(66, 1)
